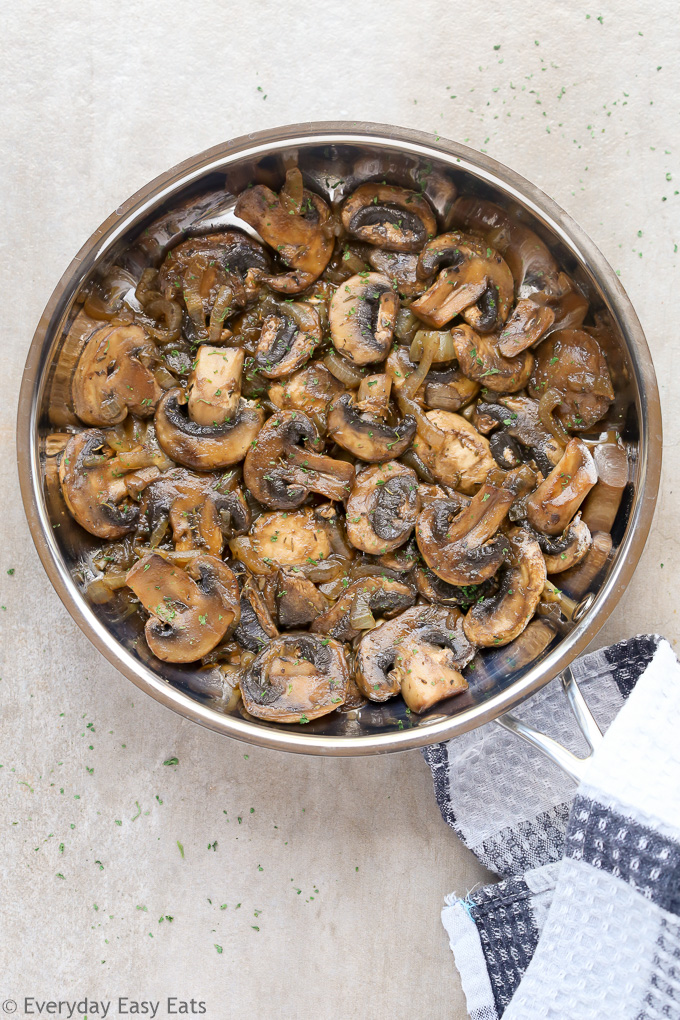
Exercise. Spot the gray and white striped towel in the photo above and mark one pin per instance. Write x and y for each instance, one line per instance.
(586, 922)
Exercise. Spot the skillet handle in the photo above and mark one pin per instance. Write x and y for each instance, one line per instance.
(568, 762)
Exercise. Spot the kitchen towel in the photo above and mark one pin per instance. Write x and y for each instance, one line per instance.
(586, 921)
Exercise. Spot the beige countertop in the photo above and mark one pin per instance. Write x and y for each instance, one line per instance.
(320, 881)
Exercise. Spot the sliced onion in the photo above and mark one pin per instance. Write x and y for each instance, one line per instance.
(551, 399)
(444, 349)
(414, 381)
(360, 615)
(159, 532)
(242, 550)
(412, 460)
(342, 370)
(430, 432)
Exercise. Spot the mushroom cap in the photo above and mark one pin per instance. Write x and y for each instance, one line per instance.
(552, 505)
(310, 389)
(383, 507)
(481, 360)
(569, 549)
(475, 282)
(94, 487)
(499, 619)
(205, 447)
(461, 546)
(281, 473)
(233, 250)
(287, 340)
(291, 539)
(383, 596)
(365, 436)
(519, 416)
(465, 458)
(299, 232)
(421, 653)
(361, 316)
(571, 362)
(113, 376)
(392, 218)
(295, 679)
(190, 610)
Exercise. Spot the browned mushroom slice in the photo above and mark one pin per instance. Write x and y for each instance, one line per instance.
(480, 359)
(442, 593)
(95, 486)
(392, 218)
(383, 507)
(296, 223)
(353, 611)
(215, 384)
(280, 472)
(474, 280)
(519, 417)
(366, 435)
(231, 251)
(256, 627)
(401, 270)
(310, 389)
(295, 679)
(362, 315)
(553, 504)
(298, 601)
(287, 340)
(562, 553)
(206, 447)
(190, 610)
(291, 539)
(459, 545)
(463, 460)
(420, 653)
(571, 380)
(525, 327)
(114, 376)
(578, 579)
(499, 619)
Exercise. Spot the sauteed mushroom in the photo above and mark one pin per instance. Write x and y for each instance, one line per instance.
(421, 653)
(464, 458)
(310, 389)
(500, 618)
(362, 315)
(95, 487)
(231, 251)
(475, 281)
(297, 678)
(256, 627)
(562, 553)
(296, 224)
(281, 473)
(287, 340)
(571, 379)
(480, 359)
(206, 447)
(552, 505)
(520, 418)
(190, 610)
(391, 218)
(353, 611)
(215, 385)
(298, 601)
(290, 539)
(366, 435)
(383, 507)
(114, 376)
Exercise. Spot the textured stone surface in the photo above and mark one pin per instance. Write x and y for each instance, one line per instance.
(98, 99)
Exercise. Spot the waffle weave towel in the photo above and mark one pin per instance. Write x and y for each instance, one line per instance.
(586, 922)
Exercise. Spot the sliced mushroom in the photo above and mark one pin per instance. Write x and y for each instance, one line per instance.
(462, 546)
(578, 580)
(525, 327)
(281, 473)
(474, 280)
(562, 553)
(571, 380)
(215, 384)
(480, 359)
(287, 340)
(421, 653)
(291, 539)
(353, 611)
(296, 223)
(463, 460)
(297, 678)
(206, 447)
(298, 601)
(232, 251)
(310, 389)
(383, 507)
(499, 619)
(95, 487)
(366, 435)
(392, 218)
(519, 416)
(190, 610)
(362, 315)
(256, 627)
(442, 593)
(552, 505)
(114, 376)
(401, 270)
